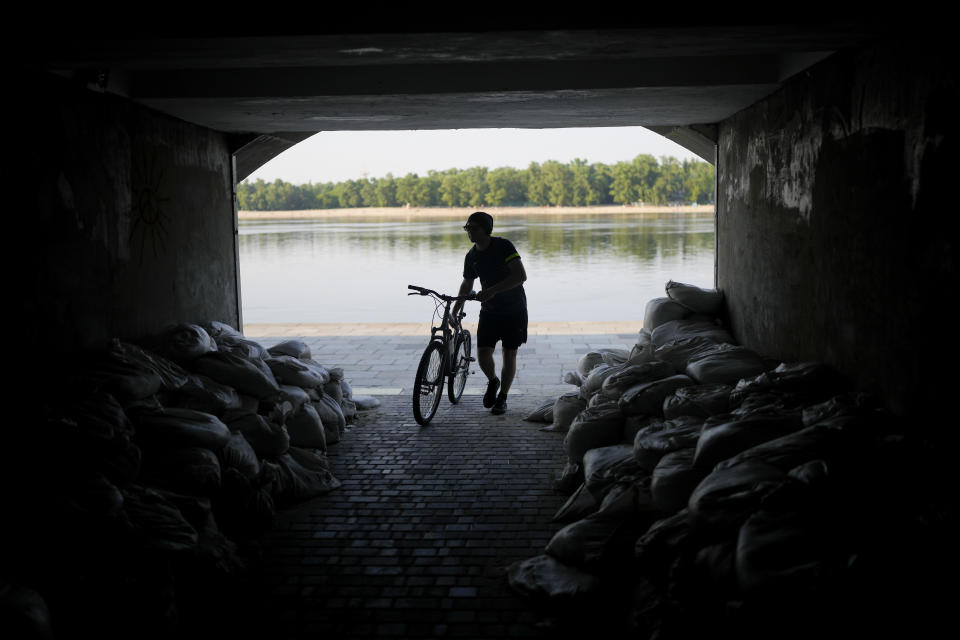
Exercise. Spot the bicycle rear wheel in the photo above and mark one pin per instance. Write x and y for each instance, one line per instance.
(461, 359)
(428, 385)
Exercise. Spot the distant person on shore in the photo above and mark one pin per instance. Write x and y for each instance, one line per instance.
(503, 309)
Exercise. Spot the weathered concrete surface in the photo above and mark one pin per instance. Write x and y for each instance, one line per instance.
(836, 239)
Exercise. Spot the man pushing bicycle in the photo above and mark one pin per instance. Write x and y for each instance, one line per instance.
(503, 309)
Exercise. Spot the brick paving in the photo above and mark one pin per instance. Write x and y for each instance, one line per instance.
(416, 541)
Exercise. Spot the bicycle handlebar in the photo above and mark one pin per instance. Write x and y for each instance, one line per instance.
(422, 291)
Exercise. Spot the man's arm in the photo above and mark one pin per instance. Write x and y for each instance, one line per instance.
(465, 287)
(518, 275)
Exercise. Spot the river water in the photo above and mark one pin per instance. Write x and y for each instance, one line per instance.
(580, 267)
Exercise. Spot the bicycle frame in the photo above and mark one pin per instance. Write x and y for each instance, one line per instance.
(444, 331)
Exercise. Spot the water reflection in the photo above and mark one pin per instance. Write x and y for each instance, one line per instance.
(579, 267)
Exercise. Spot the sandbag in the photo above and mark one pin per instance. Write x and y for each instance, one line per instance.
(176, 427)
(334, 390)
(680, 351)
(816, 381)
(569, 478)
(544, 576)
(647, 398)
(642, 350)
(592, 383)
(689, 328)
(615, 357)
(572, 377)
(248, 376)
(189, 470)
(593, 427)
(300, 482)
(543, 413)
(628, 499)
(661, 437)
(726, 497)
(203, 393)
(216, 329)
(172, 375)
(290, 370)
(184, 343)
(128, 381)
(783, 552)
(674, 479)
(314, 459)
(721, 441)
(725, 364)
(365, 403)
(335, 373)
(566, 407)
(242, 347)
(156, 524)
(294, 348)
(306, 428)
(268, 439)
(331, 414)
(845, 404)
(701, 401)
(346, 389)
(657, 548)
(706, 301)
(238, 454)
(349, 409)
(661, 310)
(630, 375)
(602, 466)
(593, 544)
(592, 359)
(578, 506)
(794, 449)
(296, 396)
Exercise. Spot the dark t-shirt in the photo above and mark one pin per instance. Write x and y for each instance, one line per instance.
(491, 266)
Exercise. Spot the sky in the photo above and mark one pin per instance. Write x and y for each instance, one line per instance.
(335, 156)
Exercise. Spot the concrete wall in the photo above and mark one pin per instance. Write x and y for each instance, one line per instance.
(836, 233)
(125, 219)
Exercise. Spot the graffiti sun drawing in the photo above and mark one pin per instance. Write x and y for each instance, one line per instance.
(149, 230)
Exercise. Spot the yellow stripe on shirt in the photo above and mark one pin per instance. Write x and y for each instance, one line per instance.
(511, 257)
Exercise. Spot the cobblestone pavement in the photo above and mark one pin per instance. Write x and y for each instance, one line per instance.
(416, 540)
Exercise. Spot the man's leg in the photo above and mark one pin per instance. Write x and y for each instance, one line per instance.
(508, 371)
(485, 359)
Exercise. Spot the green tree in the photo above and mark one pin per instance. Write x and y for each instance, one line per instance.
(385, 191)
(506, 187)
(669, 186)
(475, 186)
(451, 189)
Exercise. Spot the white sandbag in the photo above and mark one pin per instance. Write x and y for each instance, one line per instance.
(290, 370)
(726, 364)
(661, 437)
(689, 328)
(661, 310)
(248, 376)
(723, 440)
(647, 398)
(269, 440)
(544, 576)
(565, 409)
(572, 377)
(592, 359)
(294, 348)
(183, 343)
(365, 403)
(680, 351)
(593, 427)
(594, 380)
(674, 479)
(346, 389)
(701, 401)
(238, 454)
(306, 429)
(696, 299)
(630, 375)
(176, 427)
(602, 466)
(543, 413)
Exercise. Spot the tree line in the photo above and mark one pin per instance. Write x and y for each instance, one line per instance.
(644, 180)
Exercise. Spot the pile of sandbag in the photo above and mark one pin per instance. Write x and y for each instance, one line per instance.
(727, 495)
(177, 449)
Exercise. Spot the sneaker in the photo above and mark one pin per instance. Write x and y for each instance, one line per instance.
(491, 395)
(500, 407)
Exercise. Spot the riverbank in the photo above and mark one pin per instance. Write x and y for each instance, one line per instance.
(458, 212)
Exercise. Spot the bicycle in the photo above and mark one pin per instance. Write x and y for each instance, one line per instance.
(447, 356)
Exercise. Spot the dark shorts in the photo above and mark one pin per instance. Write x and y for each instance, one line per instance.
(509, 328)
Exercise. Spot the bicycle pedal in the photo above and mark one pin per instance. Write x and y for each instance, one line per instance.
(471, 359)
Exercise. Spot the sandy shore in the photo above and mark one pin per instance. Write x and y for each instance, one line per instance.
(457, 212)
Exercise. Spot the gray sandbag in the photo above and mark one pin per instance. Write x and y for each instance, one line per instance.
(572, 377)
(216, 329)
(290, 370)
(543, 413)
(647, 398)
(614, 357)
(602, 398)
(365, 403)
(156, 524)
(689, 328)
(203, 393)
(314, 459)
(546, 577)
(579, 505)
(844, 404)
(306, 428)
(701, 401)
(24, 612)
(723, 440)
(598, 426)
(726, 364)
(642, 350)
(250, 376)
(335, 373)
(628, 499)
(603, 466)
(593, 544)
(815, 381)
(176, 427)
(331, 414)
(664, 541)
(630, 375)
(569, 478)
(294, 348)
(238, 454)
(661, 437)
(680, 351)
(696, 299)
(127, 380)
(300, 482)
(726, 497)
(566, 408)
(592, 359)
(796, 448)
(192, 471)
(633, 424)
(674, 479)
(243, 347)
(349, 409)
(184, 343)
(781, 552)
(594, 380)
(334, 390)
(268, 439)
(172, 375)
(661, 310)
(296, 396)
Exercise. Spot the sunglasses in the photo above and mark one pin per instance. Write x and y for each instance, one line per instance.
(468, 227)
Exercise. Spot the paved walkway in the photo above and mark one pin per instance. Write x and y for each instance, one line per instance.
(416, 541)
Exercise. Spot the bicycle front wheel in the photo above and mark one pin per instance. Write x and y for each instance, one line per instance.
(461, 361)
(428, 385)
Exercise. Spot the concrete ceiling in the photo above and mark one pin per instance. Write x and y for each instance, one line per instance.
(278, 89)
